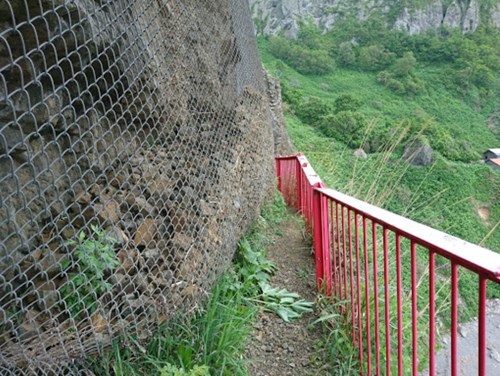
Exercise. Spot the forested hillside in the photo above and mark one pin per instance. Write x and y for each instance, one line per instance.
(399, 120)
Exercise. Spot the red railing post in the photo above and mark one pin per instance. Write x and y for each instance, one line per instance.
(321, 240)
(298, 175)
(327, 264)
(482, 327)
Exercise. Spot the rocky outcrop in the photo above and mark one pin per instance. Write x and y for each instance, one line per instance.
(418, 153)
(282, 142)
(275, 16)
(148, 120)
(464, 15)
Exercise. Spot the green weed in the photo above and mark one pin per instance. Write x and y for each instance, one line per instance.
(92, 257)
(336, 347)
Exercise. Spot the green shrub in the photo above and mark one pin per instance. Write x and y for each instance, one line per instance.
(290, 95)
(302, 58)
(387, 79)
(405, 66)
(311, 110)
(309, 35)
(375, 58)
(449, 146)
(408, 85)
(346, 54)
(345, 126)
(171, 370)
(92, 258)
(346, 102)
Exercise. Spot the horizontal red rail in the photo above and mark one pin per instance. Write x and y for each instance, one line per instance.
(395, 277)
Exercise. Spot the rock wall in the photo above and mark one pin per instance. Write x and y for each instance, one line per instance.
(145, 126)
(275, 16)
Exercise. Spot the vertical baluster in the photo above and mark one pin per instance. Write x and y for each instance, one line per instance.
(414, 312)
(327, 265)
(344, 254)
(454, 318)
(399, 304)
(334, 248)
(351, 276)
(432, 312)
(278, 174)
(482, 327)
(375, 297)
(367, 298)
(339, 254)
(318, 237)
(358, 289)
(298, 181)
(386, 308)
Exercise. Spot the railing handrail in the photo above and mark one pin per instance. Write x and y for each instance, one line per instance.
(469, 255)
(312, 176)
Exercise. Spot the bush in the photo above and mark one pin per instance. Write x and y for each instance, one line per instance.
(405, 66)
(347, 102)
(387, 79)
(289, 95)
(375, 58)
(301, 58)
(345, 126)
(346, 54)
(312, 110)
(449, 147)
(409, 85)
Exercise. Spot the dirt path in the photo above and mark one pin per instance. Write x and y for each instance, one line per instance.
(279, 348)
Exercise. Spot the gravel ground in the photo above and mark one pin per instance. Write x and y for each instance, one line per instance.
(467, 346)
(279, 348)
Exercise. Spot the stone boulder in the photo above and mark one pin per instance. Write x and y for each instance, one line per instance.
(360, 154)
(418, 153)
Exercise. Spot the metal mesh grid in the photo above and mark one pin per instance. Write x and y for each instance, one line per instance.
(135, 148)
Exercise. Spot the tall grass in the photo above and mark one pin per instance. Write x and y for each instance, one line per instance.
(210, 339)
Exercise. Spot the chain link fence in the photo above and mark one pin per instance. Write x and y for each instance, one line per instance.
(136, 145)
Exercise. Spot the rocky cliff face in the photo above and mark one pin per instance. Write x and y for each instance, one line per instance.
(274, 16)
(148, 120)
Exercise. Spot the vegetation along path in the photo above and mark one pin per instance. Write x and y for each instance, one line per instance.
(276, 347)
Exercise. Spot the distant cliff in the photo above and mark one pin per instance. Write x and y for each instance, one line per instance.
(274, 16)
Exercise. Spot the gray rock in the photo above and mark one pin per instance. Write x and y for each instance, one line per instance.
(493, 354)
(418, 153)
(462, 330)
(360, 153)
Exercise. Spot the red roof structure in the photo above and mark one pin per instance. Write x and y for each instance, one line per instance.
(494, 162)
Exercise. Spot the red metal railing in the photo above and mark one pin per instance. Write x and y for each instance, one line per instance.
(394, 278)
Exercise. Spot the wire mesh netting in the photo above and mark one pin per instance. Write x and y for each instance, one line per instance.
(135, 149)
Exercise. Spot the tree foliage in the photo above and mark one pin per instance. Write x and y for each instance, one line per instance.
(301, 57)
(345, 126)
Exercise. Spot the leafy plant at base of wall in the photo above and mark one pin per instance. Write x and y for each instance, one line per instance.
(253, 271)
(285, 304)
(92, 257)
(252, 267)
(171, 370)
